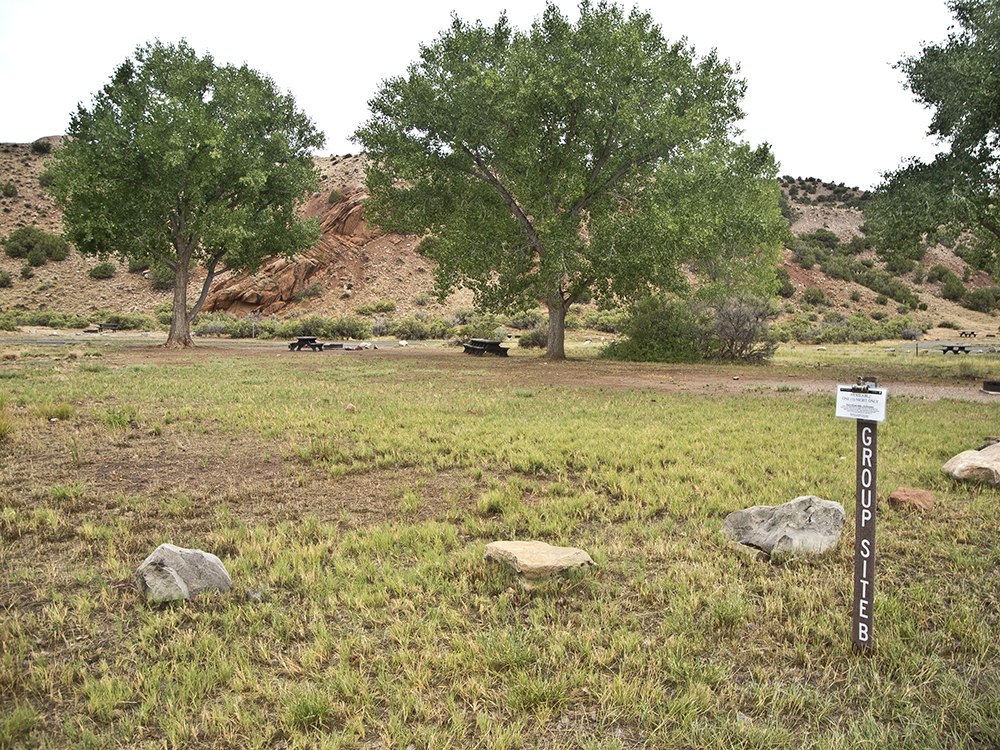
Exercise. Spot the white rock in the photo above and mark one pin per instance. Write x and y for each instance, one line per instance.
(805, 525)
(976, 466)
(536, 559)
(173, 573)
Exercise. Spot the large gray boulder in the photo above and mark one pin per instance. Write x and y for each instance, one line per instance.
(976, 466)
(805, 525)
(536, 559)
(174, 573)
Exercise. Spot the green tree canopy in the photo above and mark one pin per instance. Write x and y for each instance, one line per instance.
(548, 164)
(960, 81)
(187, 163)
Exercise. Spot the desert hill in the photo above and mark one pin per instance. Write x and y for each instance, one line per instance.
(353, 265)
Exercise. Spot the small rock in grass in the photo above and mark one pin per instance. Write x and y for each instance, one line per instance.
(805, 525)
(536, 559)
(976, 466)
(906, 497)
(174, 573)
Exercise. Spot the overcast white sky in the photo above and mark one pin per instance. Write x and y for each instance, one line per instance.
(820, 84)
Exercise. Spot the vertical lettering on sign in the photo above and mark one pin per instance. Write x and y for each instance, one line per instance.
(862, 628)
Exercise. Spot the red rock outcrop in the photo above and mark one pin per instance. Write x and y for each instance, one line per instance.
(336, 261)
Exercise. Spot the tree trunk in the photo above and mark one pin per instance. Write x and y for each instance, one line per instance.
(180, 329)
(555, 347)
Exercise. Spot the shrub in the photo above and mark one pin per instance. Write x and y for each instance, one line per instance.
(658, 331)
(36, 257)
(982, 300)
(21, 243)
(413, 329)
(812, 295)
(608, 321)
(160, 276)
(479, 326)
(855, 296)
(740, 330)
(938, 273)
(953, 289)
(527, 320)
(41, 147)
(27, 271)
(536, 338)
(909, 333)
(785, 287)
(881, 300)
(948, 324)
(335, 195)
(9, 190)
(382, 306)
(5, 280)
(103, 270)
(823, 237)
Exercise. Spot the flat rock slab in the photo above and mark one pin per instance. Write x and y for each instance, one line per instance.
(905, 497)
(175, 573)
(976, 466)
(805, 525)
(536, 559)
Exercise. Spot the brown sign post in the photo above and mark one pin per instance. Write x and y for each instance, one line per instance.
(864, 402)
(862, 626)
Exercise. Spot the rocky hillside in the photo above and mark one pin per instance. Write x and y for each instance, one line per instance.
(353, 265)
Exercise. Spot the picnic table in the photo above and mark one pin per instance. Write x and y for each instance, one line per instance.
(303, 341)
(479, 347)
(101, 327)
(968, 334)
(955, 349)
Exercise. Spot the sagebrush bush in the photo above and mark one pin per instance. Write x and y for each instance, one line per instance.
(41, 147)
(982, 300)
(812, 295)
(36, 257)
(414, 329)
(9, 190)
(536, 338)
(380, 307)
(5, 280)
(526, 320)
(23, 241)
(103, 270)
(607, 321)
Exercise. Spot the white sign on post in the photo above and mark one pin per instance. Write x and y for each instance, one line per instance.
(861, 403)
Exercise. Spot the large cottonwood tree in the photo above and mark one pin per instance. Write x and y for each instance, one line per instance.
(184, 162)
(959, 191)
(533, 159)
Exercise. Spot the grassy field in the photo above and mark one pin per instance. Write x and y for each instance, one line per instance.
(351, 495)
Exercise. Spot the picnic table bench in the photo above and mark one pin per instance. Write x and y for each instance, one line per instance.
(479, 347)
(955, 349)
(101, 327)
(304, 341)
(968, 334)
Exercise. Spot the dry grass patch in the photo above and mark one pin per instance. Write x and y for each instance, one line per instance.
(363, 614)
